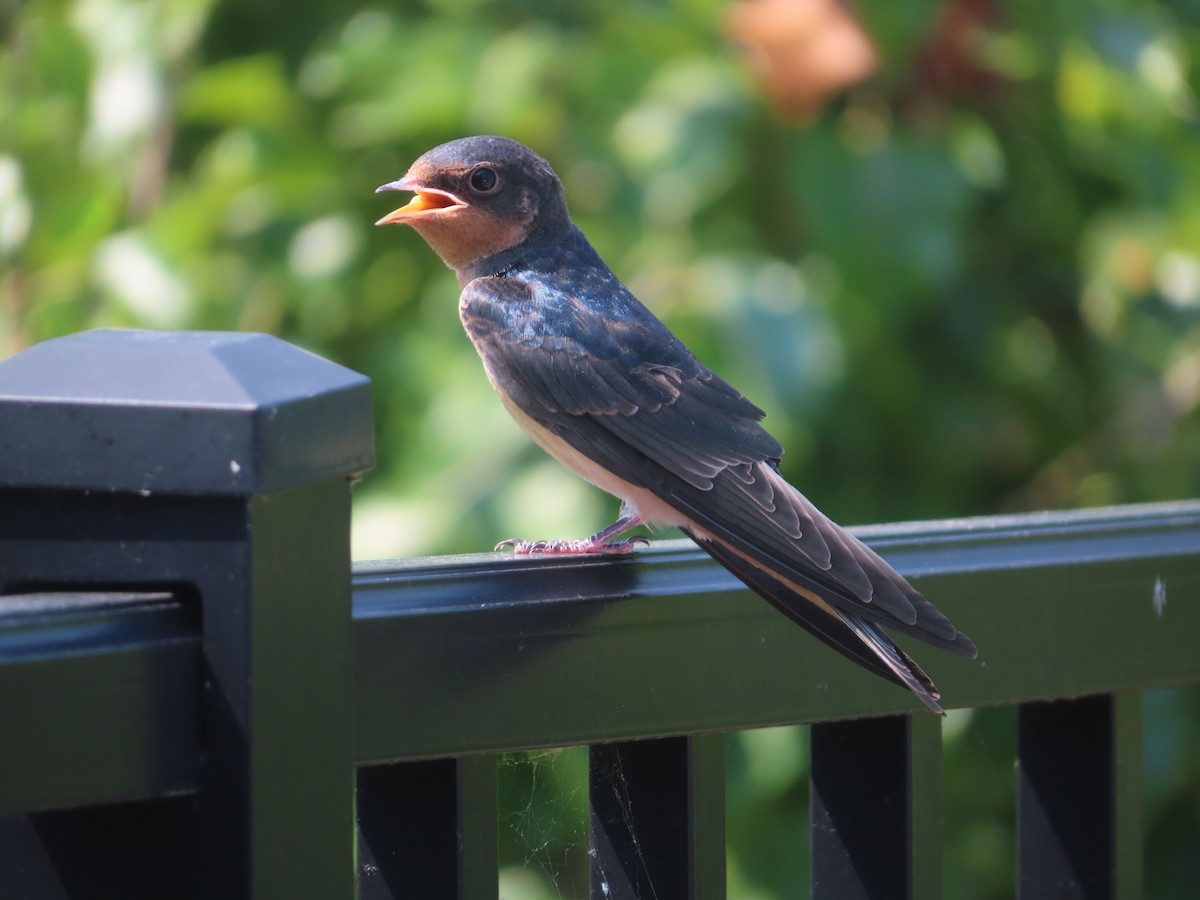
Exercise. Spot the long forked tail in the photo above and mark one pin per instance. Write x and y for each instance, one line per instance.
(855, 638)
(897, 661)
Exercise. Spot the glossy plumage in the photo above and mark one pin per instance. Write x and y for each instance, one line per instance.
(603, 385)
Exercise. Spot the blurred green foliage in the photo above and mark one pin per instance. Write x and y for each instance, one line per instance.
(971, 284)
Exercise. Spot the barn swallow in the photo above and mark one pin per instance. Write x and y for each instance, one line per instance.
(601, 384)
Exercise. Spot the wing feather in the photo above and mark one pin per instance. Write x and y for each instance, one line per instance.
(622, 390)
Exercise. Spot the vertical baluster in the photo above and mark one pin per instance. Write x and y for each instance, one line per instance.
(428, 829)
(876, 808)
(1079, 830)
(658, 819)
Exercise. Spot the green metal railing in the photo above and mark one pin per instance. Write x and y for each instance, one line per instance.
(191, 676)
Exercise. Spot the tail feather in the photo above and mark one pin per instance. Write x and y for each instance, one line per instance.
(877, 592)
(900, 663)
(862, 641)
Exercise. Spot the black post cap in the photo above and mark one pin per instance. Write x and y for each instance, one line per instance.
(180, 412)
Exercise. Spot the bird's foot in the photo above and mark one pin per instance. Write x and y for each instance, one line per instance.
(600, 543)
(585, 546)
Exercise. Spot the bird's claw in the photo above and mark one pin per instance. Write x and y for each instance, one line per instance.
(587, 546)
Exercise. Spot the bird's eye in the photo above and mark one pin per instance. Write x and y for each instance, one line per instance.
(484, 180)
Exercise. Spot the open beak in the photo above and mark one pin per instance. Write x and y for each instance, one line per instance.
(427, 201)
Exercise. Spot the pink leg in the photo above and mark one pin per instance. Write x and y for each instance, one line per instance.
(600, 543)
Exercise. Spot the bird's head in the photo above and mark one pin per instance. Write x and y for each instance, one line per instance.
(477, 197)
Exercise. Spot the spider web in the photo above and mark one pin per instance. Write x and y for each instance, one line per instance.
(543, 803)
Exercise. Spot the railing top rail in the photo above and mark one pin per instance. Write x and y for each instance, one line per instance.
(482, 653)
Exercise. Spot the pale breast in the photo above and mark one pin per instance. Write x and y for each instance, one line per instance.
(639, 501)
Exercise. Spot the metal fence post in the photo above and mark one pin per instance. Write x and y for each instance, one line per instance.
(214, 466)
